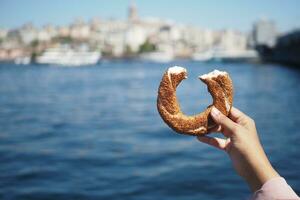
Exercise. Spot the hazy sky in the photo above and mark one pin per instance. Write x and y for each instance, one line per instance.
(216, 14)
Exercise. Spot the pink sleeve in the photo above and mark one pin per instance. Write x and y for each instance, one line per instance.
(276, 188)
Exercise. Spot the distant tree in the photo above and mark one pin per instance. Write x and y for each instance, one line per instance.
(34, 55)
(63, 39)
(107, 53)
(34, 43)
(128, 51)
(147, 47)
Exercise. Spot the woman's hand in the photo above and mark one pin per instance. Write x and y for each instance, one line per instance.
(243, 146)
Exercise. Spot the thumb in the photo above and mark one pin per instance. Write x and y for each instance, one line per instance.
(227, 124)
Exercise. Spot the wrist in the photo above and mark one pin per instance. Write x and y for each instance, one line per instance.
(261, 171)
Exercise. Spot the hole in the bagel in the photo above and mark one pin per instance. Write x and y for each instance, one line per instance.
(193, 96)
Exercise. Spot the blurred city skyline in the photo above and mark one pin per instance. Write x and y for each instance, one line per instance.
(91, 30)
(239, 15)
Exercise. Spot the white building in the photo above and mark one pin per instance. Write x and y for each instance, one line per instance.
(28, 33)
(232, 40)
(80, 30)
(135, 37)
(264, 33)
(3, 33)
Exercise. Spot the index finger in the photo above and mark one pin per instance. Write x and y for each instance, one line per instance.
(213, 141)
(238, 116)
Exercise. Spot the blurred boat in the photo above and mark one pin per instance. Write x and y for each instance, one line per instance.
(235, 55)
(22, 60)
(157, 56)
(65, 56)
(219, 54)
(202, 56)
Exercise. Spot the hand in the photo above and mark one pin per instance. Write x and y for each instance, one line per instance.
(243, 146)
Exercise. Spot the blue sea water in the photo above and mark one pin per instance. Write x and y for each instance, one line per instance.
(94, 132)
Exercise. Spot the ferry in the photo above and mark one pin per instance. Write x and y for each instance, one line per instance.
(22, 60)
(66, 56)
(226, 55)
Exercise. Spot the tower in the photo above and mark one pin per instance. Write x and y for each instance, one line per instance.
(132, 12)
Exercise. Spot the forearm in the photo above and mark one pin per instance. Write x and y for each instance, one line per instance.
(259, 169)
(259, 173)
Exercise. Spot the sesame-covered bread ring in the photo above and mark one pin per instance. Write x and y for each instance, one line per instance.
(220, 87)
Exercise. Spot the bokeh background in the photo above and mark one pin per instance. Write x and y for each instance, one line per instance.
(78, 87)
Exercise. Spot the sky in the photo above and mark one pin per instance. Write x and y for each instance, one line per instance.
(212, 14)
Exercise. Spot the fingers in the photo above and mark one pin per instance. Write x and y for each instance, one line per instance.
(235, 114)
(239, 117)
(215, 129)
(213, 141)
(227, 124)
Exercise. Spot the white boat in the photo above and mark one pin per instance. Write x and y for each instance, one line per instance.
(157, 56)
(202, 56)
(22, 60)
(219, 54)
(224, 55)
(66, 56)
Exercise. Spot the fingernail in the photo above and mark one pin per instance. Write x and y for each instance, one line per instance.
(215, 112)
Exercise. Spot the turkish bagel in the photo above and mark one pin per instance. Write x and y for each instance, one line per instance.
(220, 87)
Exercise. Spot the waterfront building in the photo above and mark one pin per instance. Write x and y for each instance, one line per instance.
(135, 37)
(63, 31)
(264, 33)
(3, 33)
(28, 33)
(80, 30)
